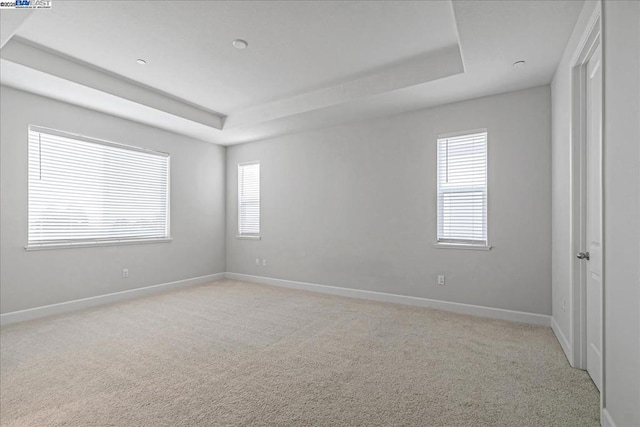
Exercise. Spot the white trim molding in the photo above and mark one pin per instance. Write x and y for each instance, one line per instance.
(605, 419)
(79, 304)
(23, 56)
(476, 310)
(440, 245)
(562, 339)
(589, 41)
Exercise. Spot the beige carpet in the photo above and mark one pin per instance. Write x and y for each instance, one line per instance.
(233, 353)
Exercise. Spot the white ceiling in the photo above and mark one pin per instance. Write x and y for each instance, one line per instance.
(308, 64)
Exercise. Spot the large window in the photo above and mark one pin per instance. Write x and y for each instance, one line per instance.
(462, 189)
(87, 191)
(249, 199)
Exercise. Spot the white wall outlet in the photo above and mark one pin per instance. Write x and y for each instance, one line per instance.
(264, 262)
(257, 261)
(125, 273)
(440, 280)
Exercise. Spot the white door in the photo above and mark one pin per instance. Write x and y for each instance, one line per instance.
(593, 257)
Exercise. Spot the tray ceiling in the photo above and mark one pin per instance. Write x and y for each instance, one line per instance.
(307, 64)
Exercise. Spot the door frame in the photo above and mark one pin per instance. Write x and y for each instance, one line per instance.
(578, 318)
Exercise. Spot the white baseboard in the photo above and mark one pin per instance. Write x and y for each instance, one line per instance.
(67, 306)
(605, 419)
(562, 339)
(494, 313)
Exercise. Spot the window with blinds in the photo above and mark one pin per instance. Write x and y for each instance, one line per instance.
(84, 191)
(462, 189)
(249, 199)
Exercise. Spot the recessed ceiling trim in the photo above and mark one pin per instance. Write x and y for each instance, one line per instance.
(46, 61)
(10, 21)
(40, 83)
(433, 66)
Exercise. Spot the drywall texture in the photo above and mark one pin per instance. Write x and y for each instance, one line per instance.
(36, 278)
(562, 251)
(355, 206)
(621, 29)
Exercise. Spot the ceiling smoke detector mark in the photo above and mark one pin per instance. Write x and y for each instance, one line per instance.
(240, 44)
(518, 64)
(141, 61)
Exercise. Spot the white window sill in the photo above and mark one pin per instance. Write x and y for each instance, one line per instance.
(247, 237)
(71, 245)
(462, 246)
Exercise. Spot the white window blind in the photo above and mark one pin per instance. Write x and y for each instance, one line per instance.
(462, 189)
(249, 199)
(83, 190)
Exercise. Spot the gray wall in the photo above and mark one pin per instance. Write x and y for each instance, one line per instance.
(354, 206)
(621, 24)
(36, 278)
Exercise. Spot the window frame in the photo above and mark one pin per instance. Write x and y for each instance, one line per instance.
(466, 244)
(94, 242)
(249, 236)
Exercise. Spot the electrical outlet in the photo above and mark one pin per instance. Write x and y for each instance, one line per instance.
(257, 261)
(264, 262)
(440, 280)
(564, 304)
(125, 273)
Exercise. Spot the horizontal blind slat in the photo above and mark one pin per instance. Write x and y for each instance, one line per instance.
(88, 191)
(462, 188)
(249, 198)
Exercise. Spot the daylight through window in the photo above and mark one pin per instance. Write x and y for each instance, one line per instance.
(83, 190)
(462, 189)
(249, 199)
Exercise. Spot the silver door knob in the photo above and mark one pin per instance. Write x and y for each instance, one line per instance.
(583, 255)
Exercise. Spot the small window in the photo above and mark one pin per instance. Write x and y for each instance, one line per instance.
(462, 189)
(249, 199)
(87, 191)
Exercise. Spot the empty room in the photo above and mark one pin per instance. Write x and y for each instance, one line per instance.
(320, 213)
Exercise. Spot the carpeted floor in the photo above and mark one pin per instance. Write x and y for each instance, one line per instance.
(233, 353)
